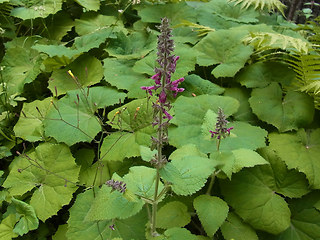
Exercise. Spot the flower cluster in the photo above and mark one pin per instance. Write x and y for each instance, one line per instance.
(117, 185)
(221, 126)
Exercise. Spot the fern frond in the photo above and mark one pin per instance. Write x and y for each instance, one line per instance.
(271, 5)
(202, 30)
(5, 9)
(265, 41)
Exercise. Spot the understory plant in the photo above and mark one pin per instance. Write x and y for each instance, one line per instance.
(158, 120)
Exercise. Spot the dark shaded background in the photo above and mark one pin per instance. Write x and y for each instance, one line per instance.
(294, 9)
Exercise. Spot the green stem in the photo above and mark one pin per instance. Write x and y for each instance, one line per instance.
(155, 205)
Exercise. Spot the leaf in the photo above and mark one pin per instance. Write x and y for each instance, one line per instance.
(300, 151)
(6, 227)
(289, 183)
(251, 193)
(86, 69)
(75, 117)
(26, 217)
(178, 233)
(61, 233)
(235, 228)
(174, 12)
(289, 113)
(110, 204)
(261, 74)
(44, 169)
(271, 5)
(305, 220)
(146, 153)
(193, 84)
(33, 9)
(92, 5)
(141, 181)
(186, 150)
(190, 121)
(58, 25)
(187, 175)
(173, 214)
(223, 47)
(134, 119)
(119, 73)
(132, 46)
(212, 211)
(29, 126)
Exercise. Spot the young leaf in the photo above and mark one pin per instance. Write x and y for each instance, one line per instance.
(173, 214)
(187, 175)
(235, 228)
(224, 48)
(212, 211)
(300, 151)
(48, 169)
(251, 193)
(289, 113)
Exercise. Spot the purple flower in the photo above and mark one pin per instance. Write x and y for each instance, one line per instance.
(112, 227)
(117, 185)
(221, 130)
(163, 97)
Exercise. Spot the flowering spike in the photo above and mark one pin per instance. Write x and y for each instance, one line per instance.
(221, 130)
(117, 185)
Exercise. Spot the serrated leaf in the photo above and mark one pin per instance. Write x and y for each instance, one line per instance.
(271, 5)
(235, 228)
(186, 150)
(251, 193)
(189, 174)
(87, 70)
(261, 74)
(223, 47)
(110, 204)
(300, 151)
(29, 126)
(92, 5)
(119, 73)
(34, 9)
(141, 181)
(45, 169)
(26, 217)
(175, 12)
(73, 113)
(173, 214)
(305, 220)
(6, 227)
(293, 111)
(178, 233)
(146, 153)
(212, 211)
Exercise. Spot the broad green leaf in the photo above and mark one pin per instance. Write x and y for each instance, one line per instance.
(119, 73)
(58, 25)
(146, 153)
(235, 228)
(186, 150)
(215, 21)
(261, 74)
(173, 214)
(73, 113)
(141, 181)
(212, 211)
(251, 192)
(51, 170)
(224, 48)
(289, 183)
(178, 233)
(190, 120)
(134, 119)
(78, 227)
(24, 69)
(29, 126)
(26, 217)
(92, 21)
(6, 227)
(86, 69)
(234, 161)
(300, 151)
(132, 46)
(305, 220)
(286, 113)
(34, 9)
(92, 5)
(244, 112)
(57, 50)
(61, 233)
(174, 12)
(195, 85)
(189, 174)
(110, 204)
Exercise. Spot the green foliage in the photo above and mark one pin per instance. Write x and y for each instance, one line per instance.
(73, 116)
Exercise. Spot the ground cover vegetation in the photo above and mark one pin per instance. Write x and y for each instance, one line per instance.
(158, 120)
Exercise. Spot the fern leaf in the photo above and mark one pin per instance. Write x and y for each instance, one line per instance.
(271, 5)
(265, 41)
(202, 30)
